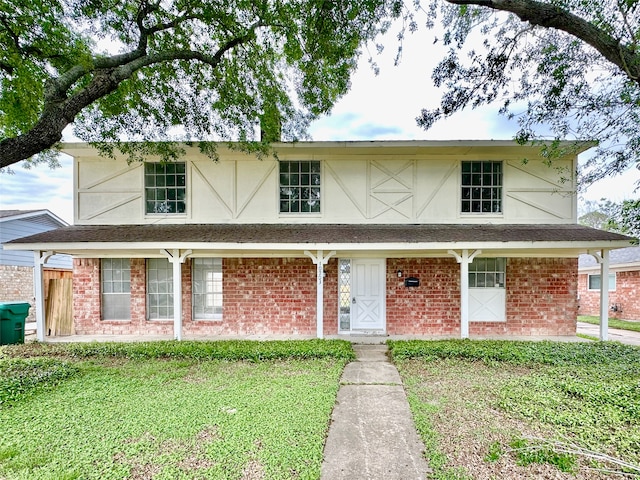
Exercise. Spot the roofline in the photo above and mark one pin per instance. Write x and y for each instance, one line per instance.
(276, 247)
(617, 267)
(78, 148)
(35, 213)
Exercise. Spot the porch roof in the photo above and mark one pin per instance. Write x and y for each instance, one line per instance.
(84, 240)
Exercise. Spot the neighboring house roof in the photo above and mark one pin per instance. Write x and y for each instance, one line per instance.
(9, 215)
(624, 258)
(20, 223)
(301, 236)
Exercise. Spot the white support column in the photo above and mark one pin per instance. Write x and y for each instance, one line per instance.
(177, 260)
(320, 260)
(39, 259)
(602, 258)
(604, 296)
(464, 259)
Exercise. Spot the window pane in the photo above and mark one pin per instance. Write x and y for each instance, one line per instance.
(594, 282)
(296, 178)
(159, 289)
(207, 291)
(115, 287)
(165, 188)
(487, 273)
(481, 182)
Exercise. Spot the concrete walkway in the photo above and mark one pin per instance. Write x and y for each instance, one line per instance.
(372, 434)
(614, 334)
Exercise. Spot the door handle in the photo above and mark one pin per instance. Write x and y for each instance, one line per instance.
(353, 300)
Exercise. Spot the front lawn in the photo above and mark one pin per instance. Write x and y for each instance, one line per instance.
(498, 409)
(167, 410)
(612, 322)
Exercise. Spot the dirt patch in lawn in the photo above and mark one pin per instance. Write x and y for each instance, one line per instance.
(473, 434)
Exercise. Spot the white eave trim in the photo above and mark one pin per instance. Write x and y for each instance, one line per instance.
(620, 267)
(276, 247)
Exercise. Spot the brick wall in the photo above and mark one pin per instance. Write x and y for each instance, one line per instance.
(433, 308)
(261, 296)
(278, 296)
(16, 285)
(541, 298)
(626, 296)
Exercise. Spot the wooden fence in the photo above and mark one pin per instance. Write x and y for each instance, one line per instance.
(59, 304)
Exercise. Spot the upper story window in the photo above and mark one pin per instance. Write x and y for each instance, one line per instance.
(481, 187)
(165, 187)
(300, 187)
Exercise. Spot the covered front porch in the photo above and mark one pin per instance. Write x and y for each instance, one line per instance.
(407, 310)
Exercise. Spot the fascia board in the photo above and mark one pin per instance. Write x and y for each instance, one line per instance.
(575, 247)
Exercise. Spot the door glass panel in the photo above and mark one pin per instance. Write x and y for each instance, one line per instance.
(344, 292)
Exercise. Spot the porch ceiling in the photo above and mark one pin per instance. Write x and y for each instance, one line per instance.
(280, 240)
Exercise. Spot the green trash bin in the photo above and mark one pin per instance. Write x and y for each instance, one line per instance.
(12, 318)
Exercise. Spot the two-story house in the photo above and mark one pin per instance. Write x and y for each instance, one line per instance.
(424, 238)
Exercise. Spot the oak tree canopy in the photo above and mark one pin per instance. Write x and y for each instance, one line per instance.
(145, 70)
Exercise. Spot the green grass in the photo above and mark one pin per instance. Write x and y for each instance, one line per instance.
(612, 322)
(164, 410)
(586, 395)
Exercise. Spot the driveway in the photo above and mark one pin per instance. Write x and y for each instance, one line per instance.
(622, 336)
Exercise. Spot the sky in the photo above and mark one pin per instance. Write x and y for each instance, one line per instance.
(382, 107)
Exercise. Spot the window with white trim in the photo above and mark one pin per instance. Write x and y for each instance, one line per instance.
(487, 273)
(165, 187)
(481, 187)
(159, 289)
(207, 288)
(115, 285)
(300, 186)
(594, 282)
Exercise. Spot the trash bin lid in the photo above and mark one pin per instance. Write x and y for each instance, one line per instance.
(16, 308)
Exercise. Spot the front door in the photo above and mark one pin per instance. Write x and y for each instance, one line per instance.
(368, 294)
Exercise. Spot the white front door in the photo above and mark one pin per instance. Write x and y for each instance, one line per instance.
(368, 294)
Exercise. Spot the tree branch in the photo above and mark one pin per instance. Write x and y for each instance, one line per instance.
(60, 110)
(552, 16)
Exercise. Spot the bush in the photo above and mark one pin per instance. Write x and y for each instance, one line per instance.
(518, 353)
(22, 377)
(231, 350)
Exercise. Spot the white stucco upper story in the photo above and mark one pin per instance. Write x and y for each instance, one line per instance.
(373, 182)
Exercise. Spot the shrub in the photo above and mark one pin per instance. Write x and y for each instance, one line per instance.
(22, 377)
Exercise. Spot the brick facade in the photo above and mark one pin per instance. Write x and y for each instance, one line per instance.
(626, 296)
(265, 296)
(541, 298)
(17, 286)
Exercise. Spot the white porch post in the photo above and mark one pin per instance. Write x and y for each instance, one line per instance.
(39, 259)
(604, 296)
(464, 259)
(177, 260)
(320, 261)
(602, 258)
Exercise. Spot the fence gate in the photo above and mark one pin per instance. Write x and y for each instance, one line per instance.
(59, 309)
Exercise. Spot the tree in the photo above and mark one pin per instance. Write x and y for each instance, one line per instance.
(187, 69)
(623, 217)
(566, 69)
